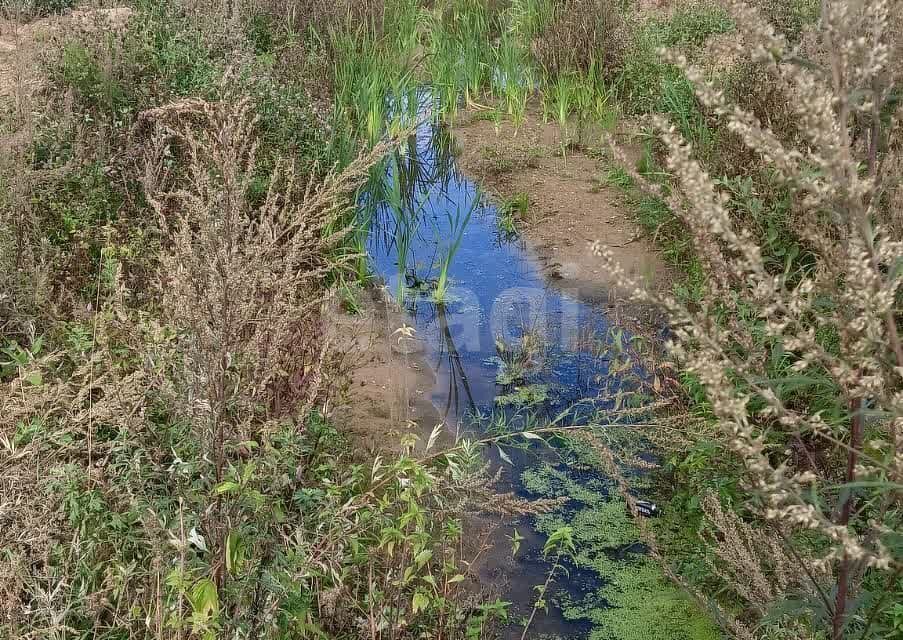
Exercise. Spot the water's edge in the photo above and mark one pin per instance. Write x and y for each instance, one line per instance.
(479, 301)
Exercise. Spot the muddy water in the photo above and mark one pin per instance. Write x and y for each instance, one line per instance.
(420, 210)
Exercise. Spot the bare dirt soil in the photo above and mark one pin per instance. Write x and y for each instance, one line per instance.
(21, 44)
(390, 383)
(568, 207)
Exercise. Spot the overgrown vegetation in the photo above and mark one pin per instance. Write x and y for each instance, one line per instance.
(178, 190)
(169, 233)
(790, 344)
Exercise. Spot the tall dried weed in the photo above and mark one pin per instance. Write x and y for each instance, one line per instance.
(828, 463)
(583, 34)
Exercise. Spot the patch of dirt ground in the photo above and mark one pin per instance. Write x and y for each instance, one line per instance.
(390, 383)
(20, 44)
(569, 208)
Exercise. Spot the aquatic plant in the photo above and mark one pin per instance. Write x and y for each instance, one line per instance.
(560, 543)
(456, 227)
(405, 203)
(527, 18)
(531, 395)
(560, 99)
(373, 82)
(510, 211)
(634, 600)
(518, 359)
(513, 81)
(459, 52)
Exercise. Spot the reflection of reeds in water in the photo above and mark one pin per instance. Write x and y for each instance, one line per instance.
(457, 376)
(406, 202)
(622, 355)
(392, 204)
(444, 149)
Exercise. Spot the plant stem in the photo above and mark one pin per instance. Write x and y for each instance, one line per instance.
(541, 598)
(843, 577)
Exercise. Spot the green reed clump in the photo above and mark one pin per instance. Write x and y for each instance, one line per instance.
(560, 101)
(374, 85)
(458, 42)
(457, 226)
(510, 211)
(528, 18)
(513, 78)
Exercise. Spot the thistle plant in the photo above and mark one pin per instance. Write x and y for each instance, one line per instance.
(827, 466)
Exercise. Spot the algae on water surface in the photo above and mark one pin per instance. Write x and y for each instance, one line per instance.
(634, 600)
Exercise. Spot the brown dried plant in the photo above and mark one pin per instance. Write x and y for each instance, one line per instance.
(836, 320)
(580, 34)
(242, 284)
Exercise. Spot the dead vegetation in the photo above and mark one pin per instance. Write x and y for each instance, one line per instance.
(583, 35)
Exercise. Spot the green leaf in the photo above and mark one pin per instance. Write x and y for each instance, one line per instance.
(247, 472)
(562, 539)
(227, 487)
(35, 379)
(420, 601)
(515, 542)
(235, 551)
(423, 557)
(204, 598)
(504, 456)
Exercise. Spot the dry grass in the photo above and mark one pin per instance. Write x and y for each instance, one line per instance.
(246, 282)
(580, 34)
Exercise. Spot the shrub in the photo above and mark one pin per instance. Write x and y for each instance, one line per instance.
(801, 367)
(582, 34)
(789, 17)
(644, 76)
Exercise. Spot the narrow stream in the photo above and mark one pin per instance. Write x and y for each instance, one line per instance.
(476, 334)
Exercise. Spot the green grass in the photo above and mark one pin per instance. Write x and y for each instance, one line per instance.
(527, 18)
(459, 60)
(145, 540)
(512, 210)
(642, 83)
(373, 76)
(513, 81)
(616, 176)
(81, 70)
(560, 101)
(457, 226)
